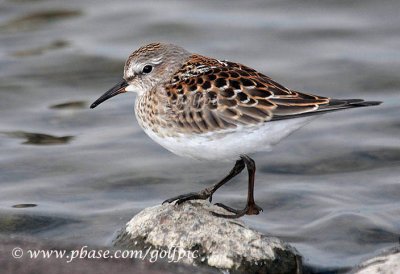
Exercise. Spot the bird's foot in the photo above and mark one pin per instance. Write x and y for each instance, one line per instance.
(202, 195)
(250, 209)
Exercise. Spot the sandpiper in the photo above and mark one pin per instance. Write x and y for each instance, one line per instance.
(205, 108)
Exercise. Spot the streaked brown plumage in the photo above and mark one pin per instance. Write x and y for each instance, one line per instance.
(206, 94)
(222, 94)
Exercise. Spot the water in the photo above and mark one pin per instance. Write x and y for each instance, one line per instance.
(74, 174)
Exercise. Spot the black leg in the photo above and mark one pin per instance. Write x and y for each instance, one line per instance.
(251, 207)
(209, 191)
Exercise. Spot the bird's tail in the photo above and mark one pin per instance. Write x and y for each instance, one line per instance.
(337, 104)
(333, 105)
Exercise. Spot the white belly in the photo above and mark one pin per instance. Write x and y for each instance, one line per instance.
(229, 144)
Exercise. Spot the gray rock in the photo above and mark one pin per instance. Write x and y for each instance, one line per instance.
(386, 263)
(203, 239)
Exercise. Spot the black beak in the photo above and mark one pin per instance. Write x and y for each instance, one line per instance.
(115, 90)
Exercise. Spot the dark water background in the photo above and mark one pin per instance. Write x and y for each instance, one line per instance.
(331, 189)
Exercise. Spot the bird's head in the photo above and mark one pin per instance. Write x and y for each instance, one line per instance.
(146, 68)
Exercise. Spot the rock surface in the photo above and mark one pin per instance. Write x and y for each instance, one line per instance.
(387, 263)
(204, 239)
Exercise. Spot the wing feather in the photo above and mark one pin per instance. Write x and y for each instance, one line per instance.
(207, 95)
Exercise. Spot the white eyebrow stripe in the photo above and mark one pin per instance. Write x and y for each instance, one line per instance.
(139, 67)
(136, 67)
(156, 61)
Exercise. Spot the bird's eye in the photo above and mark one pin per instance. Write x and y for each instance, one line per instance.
(147, 69)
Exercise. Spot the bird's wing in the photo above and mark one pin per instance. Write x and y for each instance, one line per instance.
(207, 94)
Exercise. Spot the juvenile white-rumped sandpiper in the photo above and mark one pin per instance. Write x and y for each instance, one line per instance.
(208, 109)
